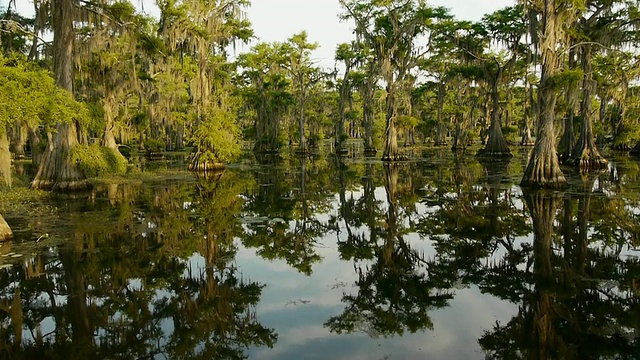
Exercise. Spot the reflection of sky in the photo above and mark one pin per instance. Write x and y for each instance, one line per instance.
(297, 306)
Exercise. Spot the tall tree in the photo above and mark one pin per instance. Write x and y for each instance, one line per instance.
(391, 28)
(602, 23)
(543, 169)
(507, 27)
(201, 32)
(266, 89)
(346, 53)
(56, 170)
(304, 75)
(366, 80)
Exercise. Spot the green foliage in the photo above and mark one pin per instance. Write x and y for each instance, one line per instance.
(153, 145)
(407, 122)
(216, 137)
(95, 160)
(510, 132)
(626, 135)
(565, 78)
(29, 95)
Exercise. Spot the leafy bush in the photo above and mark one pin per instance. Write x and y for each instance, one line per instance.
(95, 160)
(153, 145)
(216, 137)
(510, 132)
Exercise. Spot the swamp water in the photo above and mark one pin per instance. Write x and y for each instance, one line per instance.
(441, 257)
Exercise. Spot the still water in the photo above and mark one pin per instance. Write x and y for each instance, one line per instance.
(443, 257)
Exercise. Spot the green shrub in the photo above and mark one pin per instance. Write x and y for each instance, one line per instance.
(510, 132)
(95, 160)
(153, 145)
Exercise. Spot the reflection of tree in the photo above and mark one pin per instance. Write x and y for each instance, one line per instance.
(361, 217)
(396, 291)
(468, 222)
(291, 228)
(575, 303)
(128, 287)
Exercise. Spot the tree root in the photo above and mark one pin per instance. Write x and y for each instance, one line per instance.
(543, 174)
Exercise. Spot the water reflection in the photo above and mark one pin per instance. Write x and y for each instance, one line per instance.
(396, 291)
(131, 287)
(575, 286)
(330, 258)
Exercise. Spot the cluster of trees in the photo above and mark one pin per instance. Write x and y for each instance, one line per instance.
(163, 84)
(122, 79)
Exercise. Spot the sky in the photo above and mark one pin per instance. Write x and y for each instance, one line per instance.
(277, 20)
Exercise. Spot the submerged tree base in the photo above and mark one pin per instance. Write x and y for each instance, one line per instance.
(199, 164)
(494, 154)
(589, 160)
(397, 157)
(527, 141)
(370, 151)
(57, 171)
(543, 172)
(61, 186)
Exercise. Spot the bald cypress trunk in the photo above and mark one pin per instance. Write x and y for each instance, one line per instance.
(391, 150)
(496, 144)
(543, 169)
(441, 131)
(345, 93)
(109, 139)
(5, 160)
(568, 140)
(367, 113)
(529, 108)
(585, 154)
(34, 144)
(56, 170)
(18, 138)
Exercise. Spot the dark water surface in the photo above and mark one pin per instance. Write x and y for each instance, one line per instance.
(442, 257)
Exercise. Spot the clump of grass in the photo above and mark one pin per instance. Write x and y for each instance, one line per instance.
(95, 160)
(21, 199)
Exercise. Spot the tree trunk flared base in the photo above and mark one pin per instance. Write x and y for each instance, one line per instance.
(370, 151)
(543, 172)
(589, 160)
(210, 175)
(496, 144)
(396, 157)
(197, 165)
(56, 171)
(61, 186)
(494, 154)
